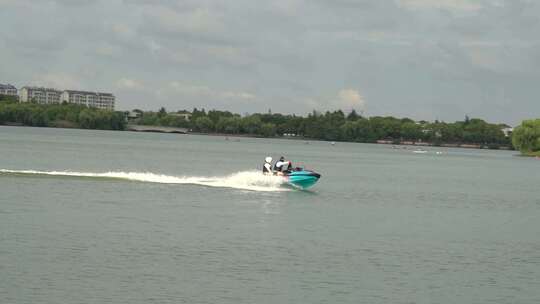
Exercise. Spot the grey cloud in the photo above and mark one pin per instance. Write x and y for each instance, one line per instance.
(76, 2)
(425, 59)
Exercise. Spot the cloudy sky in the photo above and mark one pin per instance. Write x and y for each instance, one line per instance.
(424, 59)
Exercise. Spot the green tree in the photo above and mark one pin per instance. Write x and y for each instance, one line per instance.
(268, 129)
(411, 131)
(349, 131)
(526, 137)
(353, 116)
(178, 122)
(61, 115)
(195, 114)
(8, 98)
(149, 119)
(162, 112)
(87, 119)
(204, 124)
(251, 124)
(215, 115)
(229, 125)
(312, 125)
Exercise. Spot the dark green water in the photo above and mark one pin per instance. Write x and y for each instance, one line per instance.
(184, 219)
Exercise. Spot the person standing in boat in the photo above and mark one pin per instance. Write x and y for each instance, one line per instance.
(267, 167)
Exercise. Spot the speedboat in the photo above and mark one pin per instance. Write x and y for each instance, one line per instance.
(301, 178)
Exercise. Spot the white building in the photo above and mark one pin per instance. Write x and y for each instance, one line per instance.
(508, 131)
(7, 89)
(130, 115)
(90, 99)
(186, 116)
(40, 95)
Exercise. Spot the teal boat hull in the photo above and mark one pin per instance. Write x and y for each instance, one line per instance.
(302, 179)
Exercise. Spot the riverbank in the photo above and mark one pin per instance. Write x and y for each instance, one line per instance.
(226, 136)
(531, 154)
(328, 126)
(156, 129)
(378, 142)
(445, 145)
(60, 115)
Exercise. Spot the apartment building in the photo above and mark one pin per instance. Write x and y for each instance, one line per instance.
(40, 95)
(90, 99)
(7, 89)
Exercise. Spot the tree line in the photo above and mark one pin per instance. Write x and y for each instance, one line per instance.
(526, 137)
(59, 115)
(333, 126)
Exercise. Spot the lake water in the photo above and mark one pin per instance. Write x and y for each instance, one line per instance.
(120, 217)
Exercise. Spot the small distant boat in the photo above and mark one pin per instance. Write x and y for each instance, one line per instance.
(420, 151)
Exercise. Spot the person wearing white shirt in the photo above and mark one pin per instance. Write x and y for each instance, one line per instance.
(281, 166)
(267, 167)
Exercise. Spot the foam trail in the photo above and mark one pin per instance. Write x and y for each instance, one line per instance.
(245, 180)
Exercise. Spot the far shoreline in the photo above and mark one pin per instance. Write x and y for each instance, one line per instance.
(390, 143)
(378, 142)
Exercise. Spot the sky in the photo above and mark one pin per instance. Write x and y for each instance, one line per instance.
(423, 59)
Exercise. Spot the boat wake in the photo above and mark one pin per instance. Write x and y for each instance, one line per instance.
(244, 180)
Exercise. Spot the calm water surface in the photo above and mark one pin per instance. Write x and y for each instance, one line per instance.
(184, 219)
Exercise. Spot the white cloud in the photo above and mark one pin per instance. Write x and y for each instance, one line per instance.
(202, 91)
(411, 54)
(180, 57)
(311, 103)
(350, 99)
(463, 5)
(74, 2)
(237, 95)
(108, 50)
(15, 3)
(57, 80)
(129, 84)
(31, 3)
(123, 31)
(346, 99)
(199, 20)
(189, 89)
(153, 46)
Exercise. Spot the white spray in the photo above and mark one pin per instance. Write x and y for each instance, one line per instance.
(245, 180)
